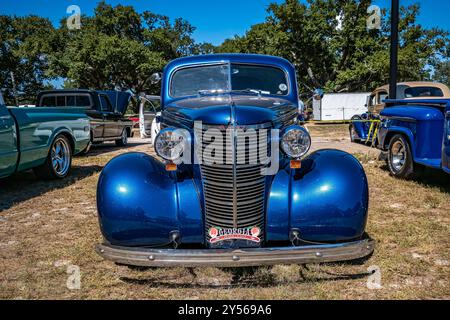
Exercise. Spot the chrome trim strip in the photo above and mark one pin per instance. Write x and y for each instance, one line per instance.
(236, 258)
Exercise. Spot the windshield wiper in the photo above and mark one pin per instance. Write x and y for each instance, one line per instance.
(215, 91)
(258, 92)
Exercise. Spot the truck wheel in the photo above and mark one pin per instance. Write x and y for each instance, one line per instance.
(58, 162)
(400, 160)
(123, 141)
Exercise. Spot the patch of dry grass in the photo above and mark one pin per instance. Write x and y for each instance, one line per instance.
(47, 226)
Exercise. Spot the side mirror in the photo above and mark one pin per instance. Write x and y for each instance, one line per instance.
(158, 119)
(155, 78)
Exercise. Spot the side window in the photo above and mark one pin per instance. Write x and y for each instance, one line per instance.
(151, 107)
(83, 101)
(71, 101)
(106, 105)
(372, 100)
(60, 101)
(48, 101)
(382, 96)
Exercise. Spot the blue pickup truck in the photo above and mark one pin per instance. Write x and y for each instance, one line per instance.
(42, 139)
(415, 134)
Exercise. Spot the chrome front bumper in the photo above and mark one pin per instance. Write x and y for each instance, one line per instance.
(236, 257)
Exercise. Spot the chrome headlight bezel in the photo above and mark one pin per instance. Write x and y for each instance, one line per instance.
(169, 144)
(295, 135)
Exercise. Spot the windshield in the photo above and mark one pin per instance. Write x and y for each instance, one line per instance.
(216, 78)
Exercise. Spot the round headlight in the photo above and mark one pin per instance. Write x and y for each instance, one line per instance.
(296, 142)
(169, 144)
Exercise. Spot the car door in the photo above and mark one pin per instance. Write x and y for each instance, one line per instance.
(149, 109)
(94, 111)
(111, 126)
(372, 102)
(8, 142)
(446, 146)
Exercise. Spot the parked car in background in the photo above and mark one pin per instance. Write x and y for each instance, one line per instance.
(42, 139)
(415, 134)
(203, 202)
(149, 117)
(359, 128)
(407, 90)
(106, 110)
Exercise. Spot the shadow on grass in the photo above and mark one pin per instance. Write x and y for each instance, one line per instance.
(429, 177)
(247, 277)
(106, 148)
(25, 185)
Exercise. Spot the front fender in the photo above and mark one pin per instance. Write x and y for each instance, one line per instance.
(141, 204)
(385, 134)
(326, 200)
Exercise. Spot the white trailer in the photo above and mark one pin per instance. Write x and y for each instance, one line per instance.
(340, 106)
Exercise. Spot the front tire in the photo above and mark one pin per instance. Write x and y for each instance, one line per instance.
(400, 160)
(58, 162)
(123, 141)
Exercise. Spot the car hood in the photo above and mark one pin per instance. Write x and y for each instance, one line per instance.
(416, 112)
(119, 100)
(224, 109)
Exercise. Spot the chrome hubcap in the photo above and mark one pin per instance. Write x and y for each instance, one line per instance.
(124, 137)
(60, 155)
(398, 155)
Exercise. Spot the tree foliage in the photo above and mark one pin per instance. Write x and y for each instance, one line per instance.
(116, 48)
(331, 46)
(119, 48)
(25, 45)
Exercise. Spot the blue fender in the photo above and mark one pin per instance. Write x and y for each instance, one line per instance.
(361, 129)
(326, 200)
(407, 132)
(141, 204)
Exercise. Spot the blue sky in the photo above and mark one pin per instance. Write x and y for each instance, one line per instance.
(214, 20)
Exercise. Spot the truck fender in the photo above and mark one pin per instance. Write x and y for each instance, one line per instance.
(392, 131)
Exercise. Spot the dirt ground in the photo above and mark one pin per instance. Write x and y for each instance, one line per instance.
(48, 231)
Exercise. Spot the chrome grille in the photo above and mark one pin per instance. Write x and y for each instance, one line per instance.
(234, 194)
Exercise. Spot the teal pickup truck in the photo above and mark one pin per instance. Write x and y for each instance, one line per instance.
(42, 139)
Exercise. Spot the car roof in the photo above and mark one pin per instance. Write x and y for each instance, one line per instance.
(233, 58)
(412, 84)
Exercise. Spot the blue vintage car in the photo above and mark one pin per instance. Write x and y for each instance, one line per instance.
(415, 134)
(242, 202)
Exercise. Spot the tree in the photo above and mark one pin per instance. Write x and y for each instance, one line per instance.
(25, 45)
(442, 72)
(331, 47)
(118, 48)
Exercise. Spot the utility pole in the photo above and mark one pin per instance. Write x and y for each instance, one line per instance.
(394, 50)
